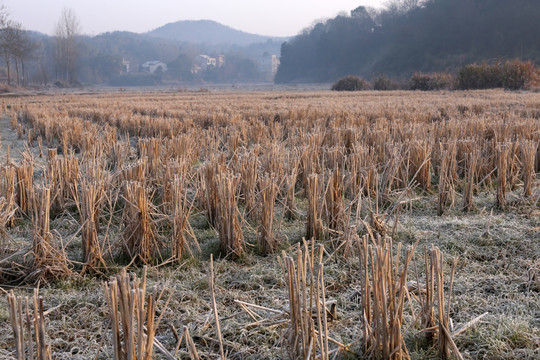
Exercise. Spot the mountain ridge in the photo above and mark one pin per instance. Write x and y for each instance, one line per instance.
(208, 32)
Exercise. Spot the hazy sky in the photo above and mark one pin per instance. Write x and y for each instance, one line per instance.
(264, 17)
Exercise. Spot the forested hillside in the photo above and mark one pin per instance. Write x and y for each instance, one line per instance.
(412, 35)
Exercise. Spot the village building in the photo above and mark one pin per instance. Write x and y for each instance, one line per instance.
(204, 62)
(152, 66)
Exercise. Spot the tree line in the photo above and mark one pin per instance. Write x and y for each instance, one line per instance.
(408, 36)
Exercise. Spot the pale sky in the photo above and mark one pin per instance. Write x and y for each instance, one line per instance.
(263, 17)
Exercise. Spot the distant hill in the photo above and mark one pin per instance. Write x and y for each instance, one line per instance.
(116, 57)
(208, 32)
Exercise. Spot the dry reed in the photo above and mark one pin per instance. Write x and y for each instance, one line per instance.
(140, 241)
(434, 307)
(211, 284)
(209, 194)
(528, 150)
(181, 211)
(248, 183)
(25, 184)
(421, 163)
(468, 191)
(24, 323)
(91, 199)
(8, 193)
(231, 238)
(133, 316)
(267, 240)
(314, 227)
(334, 203)
(502, 165)
(384, 287)
(291, 212)
(445, 342)
(49, 260)
(447, 179)
(307, 335)
(62, 178)
(7, 210)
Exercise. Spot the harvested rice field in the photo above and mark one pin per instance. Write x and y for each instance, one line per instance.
(270, 225)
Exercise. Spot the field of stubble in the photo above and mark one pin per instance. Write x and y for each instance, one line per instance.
(301, 198)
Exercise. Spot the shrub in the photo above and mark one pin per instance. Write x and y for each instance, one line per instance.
(480, 76)
(383, 83)
(350, 83)
(513, 75)
(518, 74)
(434, 81)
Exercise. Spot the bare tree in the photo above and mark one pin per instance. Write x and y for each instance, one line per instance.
(66, 33)
(23, 48)
(6, 39)
(16, 47)
(399, 7)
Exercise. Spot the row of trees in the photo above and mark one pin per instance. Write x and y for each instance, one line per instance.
(16, 47)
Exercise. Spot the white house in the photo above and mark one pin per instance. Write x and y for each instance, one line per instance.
(125, 65)
(205, 61)
(153, 66)
(275, 65)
